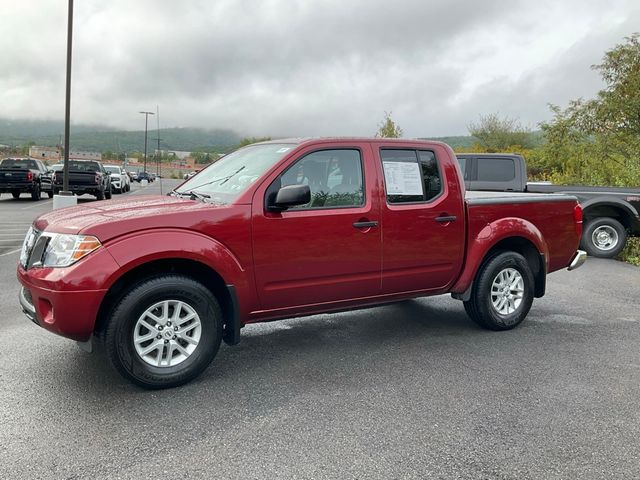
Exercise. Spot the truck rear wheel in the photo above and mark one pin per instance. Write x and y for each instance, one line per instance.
(502, 293)
(604, 237)
(164, 332)
(35, 193)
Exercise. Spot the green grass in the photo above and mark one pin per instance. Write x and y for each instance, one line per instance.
(631, 252)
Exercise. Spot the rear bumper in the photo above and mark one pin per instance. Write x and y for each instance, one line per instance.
(80, 189)
(578, 259)
(14, 187)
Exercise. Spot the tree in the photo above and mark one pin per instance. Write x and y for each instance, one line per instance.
(497, 134)
(249, 140)
(598, 140)
(388, 128)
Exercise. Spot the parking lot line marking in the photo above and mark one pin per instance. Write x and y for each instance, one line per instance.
(11, 252)
(46, 202)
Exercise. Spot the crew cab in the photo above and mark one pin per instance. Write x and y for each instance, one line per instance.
(85, 177)
(610, 213)
(282, 229)
(22, 175)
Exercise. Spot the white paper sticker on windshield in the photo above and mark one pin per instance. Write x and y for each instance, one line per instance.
(402, 178)
(283, 149)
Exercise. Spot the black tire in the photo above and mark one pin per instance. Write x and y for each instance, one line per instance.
(481, 308)
(107, 193)
(35, 193)
(608, 244)
(100, 195)
(118, 334)
(50, 193)
(15, 195)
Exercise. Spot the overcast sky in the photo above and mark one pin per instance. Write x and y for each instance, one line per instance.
(306, 68)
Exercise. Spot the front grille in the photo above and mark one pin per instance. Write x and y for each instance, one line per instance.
(27, 246)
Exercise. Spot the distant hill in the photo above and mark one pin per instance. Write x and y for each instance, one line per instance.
(101, 139)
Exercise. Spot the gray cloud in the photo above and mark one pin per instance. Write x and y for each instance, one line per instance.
(308, 68)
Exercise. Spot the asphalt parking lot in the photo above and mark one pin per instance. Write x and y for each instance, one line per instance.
(409, 390)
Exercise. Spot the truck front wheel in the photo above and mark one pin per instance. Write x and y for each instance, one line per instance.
(164, 332)
(502, 293)
(604, 237)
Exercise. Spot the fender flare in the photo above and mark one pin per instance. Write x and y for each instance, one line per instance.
(167, 243)
(613, 202)
(490, 236)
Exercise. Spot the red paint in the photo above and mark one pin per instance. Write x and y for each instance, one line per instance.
(291, 263)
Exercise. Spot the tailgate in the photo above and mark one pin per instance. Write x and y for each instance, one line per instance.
(13, 175)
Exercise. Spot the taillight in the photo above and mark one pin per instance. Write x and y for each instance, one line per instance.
(97, 178)
(577, 218)
(54, 177)
(29, 176)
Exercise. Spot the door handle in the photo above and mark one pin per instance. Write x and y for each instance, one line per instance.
(446, 219)
(365, 224)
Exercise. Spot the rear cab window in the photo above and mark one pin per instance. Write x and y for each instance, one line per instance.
(410, 175)
(496, 169)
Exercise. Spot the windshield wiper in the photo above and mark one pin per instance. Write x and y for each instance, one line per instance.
(191, 194)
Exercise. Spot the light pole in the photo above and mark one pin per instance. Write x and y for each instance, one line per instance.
(146, 122)
(67, 106)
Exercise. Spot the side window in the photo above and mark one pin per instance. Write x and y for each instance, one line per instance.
(496, 169)
(410, 175)
(334, 178)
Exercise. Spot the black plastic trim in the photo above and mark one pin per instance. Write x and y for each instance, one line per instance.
(231, 333)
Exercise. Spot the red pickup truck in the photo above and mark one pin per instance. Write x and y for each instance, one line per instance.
(282, 229)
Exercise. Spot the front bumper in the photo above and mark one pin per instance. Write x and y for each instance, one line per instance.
(578, 259)
(66, 301)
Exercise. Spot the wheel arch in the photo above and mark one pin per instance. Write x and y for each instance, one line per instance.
(509, 234)
(614, 208)
(198, 271)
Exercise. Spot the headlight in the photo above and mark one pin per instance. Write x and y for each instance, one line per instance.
(64, 250)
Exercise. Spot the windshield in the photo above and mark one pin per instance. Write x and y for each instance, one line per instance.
(226, 179)
(112, 169)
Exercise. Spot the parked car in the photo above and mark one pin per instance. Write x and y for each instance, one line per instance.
(144, 176)
(281, 229)
(119, 179)
(187, 176)
(22, 175)
(85, 176)
(46, 185)
(610, 214)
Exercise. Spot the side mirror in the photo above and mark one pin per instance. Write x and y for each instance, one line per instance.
(291, 196)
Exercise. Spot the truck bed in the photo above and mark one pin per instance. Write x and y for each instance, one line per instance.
(545, 214)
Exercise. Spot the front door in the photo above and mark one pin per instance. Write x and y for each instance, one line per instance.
(324, 251)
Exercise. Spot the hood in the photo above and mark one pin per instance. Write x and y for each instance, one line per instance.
(115, 217)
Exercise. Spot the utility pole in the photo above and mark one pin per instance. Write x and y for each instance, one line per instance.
(67, 107)
(146, 122)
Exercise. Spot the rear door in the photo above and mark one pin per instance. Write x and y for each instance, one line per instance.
(330, 249)
(423, 220)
